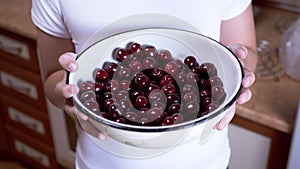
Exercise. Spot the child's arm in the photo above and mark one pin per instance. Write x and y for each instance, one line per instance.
(54, 74)
(239, 35)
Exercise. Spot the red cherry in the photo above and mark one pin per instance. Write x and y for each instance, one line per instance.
(120, 54)
(101, 75)
(168, 121)
(164, 56)
(191, 61)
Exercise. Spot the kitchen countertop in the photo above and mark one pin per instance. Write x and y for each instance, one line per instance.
(274, 102)
(15, 17)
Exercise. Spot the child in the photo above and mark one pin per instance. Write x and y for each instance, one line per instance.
(65, 26)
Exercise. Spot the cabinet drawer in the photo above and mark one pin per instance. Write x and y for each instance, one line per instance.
(26, 118)
(30, 151)
(18, 49)
(23, 84)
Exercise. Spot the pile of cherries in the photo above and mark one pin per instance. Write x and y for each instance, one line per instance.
(149, 87)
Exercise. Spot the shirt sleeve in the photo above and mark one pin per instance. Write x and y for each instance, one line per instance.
(235, 8)
(46, 16)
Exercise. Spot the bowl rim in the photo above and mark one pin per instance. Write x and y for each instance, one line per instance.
(183, 125)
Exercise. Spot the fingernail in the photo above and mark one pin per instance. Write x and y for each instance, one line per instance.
(72, 67)
(247, 83)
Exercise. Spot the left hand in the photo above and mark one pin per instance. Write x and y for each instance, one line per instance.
(241, 52)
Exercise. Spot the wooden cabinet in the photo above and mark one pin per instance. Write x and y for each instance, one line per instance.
(258, 146)
(4, 150)
(23, 105)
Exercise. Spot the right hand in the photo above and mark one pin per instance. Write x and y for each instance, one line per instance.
(68, 62)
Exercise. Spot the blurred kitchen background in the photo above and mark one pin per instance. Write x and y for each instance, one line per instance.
(263, 133)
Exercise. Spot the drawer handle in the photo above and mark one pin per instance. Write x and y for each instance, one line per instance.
(36, 157)
(32, 153)
(32, 125)
(11, 49)
(19, 88)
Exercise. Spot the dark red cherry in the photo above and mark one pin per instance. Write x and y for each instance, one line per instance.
(122, 94)
(169, 88)
(164, 56)
(141, 80)
(177, 117)
(168, 121)
(205, 102)
(113, 85)
(204, 93)
(191, 78)
(180, 77)
(208, 70)
(149, 62)
(218, 93)
(120, 54)
(215, 80)
(135, 65)
(157, 95)
(158, 105)
(115, 110)
(110, 68)
(166, 79)
(174, 108)
(108, 95)
(173, 98)
(191, 61)
(141, 102)
(88, 95)
(172, 68)
(152, 88)
(133, 47)
(85, 86)
(136, 93)
(131, 116)
(191, 108)
(156, 74)
(189, 88)
(154, 113)
(190, 97)
(124, 73)
(121, 120)
(92, 105)
(101, 75)
(149, 51)
(100, 87)
(107, 103)
(126, 104)
(144, 121)
(125, 85)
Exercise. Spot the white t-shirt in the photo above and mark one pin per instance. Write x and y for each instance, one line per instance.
(81, 20)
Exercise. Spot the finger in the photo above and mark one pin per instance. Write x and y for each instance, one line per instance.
(92, 130)
(248, 79)
(245, 96)
(67, 91)
(226, 119)
(70, 110)
(239, 50)
(68, 61)
(73, 111)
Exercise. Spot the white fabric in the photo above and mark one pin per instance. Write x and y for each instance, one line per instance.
(191, 155)
(80, 20)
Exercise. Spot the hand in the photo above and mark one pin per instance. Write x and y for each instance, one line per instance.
(241, 52)
(68, 62)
